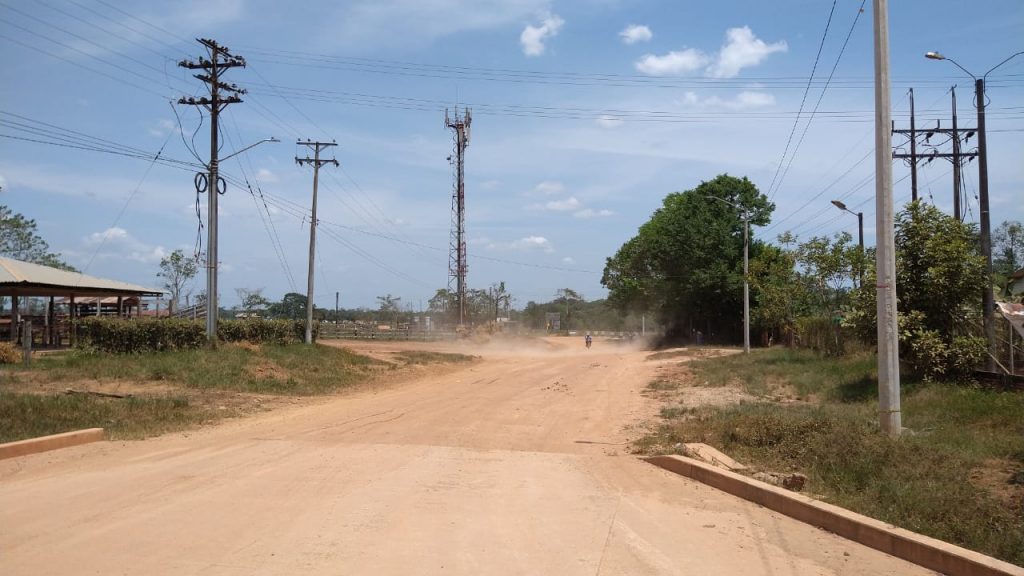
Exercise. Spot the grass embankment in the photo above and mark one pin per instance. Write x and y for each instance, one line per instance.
(169, 391)
(956, 475)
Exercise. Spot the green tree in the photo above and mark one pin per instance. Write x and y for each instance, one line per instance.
(686, 262)
(177, 271)
(252, 301)
(828, 270)
(20, 240)
(1007, 252)
(292, 306)
(939, 278)
(442, 301)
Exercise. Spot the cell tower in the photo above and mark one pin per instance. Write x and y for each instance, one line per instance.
(457, 243)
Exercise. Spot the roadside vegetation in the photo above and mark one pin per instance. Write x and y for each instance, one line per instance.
(956, 474)
(149, 393)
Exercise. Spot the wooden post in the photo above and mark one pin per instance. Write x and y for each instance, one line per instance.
(15, 317)
(26, 340)
(120, 306)
(71, 322)
(98, 305)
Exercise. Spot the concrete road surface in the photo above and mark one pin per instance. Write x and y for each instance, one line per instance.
(517, 464)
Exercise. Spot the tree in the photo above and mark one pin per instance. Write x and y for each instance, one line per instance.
(828, 268)
(939, 277)
(292, 307)
(253, 301)
(177, 271)
(20, 240)
(686, 263)
(442, 302)
(1008, 248)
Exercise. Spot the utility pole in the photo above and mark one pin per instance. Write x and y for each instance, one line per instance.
(957, 163)
(957, 155)
(987, 297)
(337, 297)
(317, 163)
(219, 61)
(885, 262)
(457, 257)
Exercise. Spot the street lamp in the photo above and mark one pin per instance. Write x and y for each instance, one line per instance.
(985, 225)
(860, 235)
(745, 214)
(211, 244)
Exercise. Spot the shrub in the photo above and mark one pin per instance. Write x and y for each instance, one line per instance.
(260, 331)
(9, 353)
(132, 336)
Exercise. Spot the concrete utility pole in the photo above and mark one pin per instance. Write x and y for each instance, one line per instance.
(885, 262)
(457, 258)
(219, 61)
(317, 163)
(985, 226)
(745, 215)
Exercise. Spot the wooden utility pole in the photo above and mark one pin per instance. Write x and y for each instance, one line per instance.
(221, 94)
(317, 163)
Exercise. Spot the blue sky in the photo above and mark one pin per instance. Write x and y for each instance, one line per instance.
(585, 115)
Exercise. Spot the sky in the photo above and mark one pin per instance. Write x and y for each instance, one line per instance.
(585, 114)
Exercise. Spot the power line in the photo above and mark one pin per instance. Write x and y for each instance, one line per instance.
(821, 96)
(803, 100)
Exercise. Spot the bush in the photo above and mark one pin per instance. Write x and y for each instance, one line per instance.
(132, 336)
(935, 357)
(9, 353)
(260, 331)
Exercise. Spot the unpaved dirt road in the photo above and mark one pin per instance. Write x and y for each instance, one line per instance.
(516, 464)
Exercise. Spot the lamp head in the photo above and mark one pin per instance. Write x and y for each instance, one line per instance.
(839, 204)
(934, 56)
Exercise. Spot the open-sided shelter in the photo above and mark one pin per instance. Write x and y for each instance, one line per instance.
(26, 280)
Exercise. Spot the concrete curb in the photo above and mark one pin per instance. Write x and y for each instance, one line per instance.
(921, 550)
(45, 443)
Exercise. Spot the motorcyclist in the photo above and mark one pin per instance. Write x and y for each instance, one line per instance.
(589, 340)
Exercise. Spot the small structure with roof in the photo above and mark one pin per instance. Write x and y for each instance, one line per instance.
(79, 294)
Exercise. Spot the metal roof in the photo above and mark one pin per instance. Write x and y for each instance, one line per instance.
(27, 279)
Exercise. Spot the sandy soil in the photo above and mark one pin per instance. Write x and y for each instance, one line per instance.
(515, 464)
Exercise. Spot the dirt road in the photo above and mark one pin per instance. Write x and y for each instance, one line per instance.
(516, 464)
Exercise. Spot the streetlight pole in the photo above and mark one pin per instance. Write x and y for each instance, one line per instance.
(860, 236)
(745, 214)
(984, 222)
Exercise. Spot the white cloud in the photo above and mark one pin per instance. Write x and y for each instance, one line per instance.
(742, 101)
(163, 128)
(3, 182)
(570, 203)
(742, 50)
(673, 63)
(588, 213)
(607, 121)
(568, 260)
(118, 243)
(265, 175)
(549, 188)
(533, 37)
(635, 33)
(533, 243)
(368, 25)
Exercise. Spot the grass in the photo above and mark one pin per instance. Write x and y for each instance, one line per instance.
(292, 369)
(196, 378)
(952, 476)
(32, 415)
(804, 372)
(422, 357)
